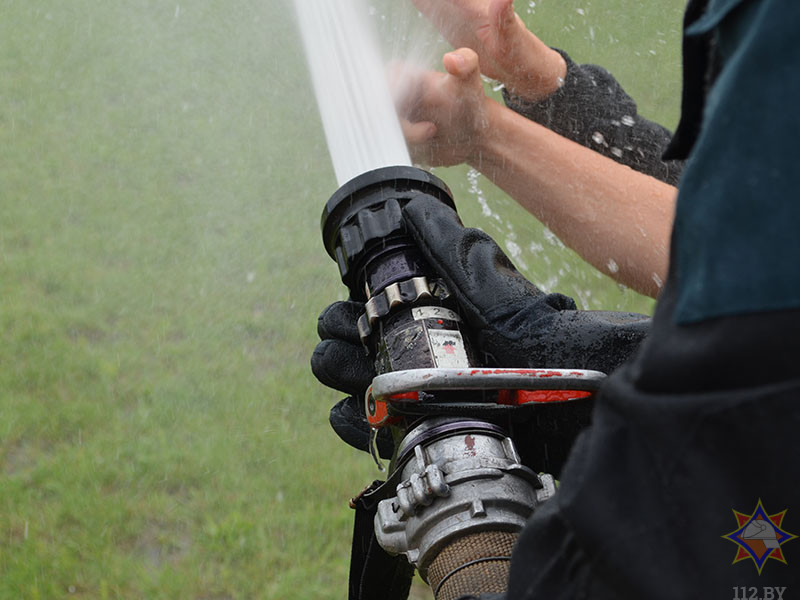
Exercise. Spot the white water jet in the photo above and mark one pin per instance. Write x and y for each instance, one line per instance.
(361, 125)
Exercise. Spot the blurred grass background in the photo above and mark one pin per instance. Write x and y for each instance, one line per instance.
(162, 172)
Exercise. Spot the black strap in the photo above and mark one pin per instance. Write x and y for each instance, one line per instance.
(374, 573)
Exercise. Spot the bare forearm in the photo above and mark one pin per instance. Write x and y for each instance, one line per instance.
(617, 219)
(592, 109)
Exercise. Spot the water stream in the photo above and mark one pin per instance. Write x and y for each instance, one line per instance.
(358, 115)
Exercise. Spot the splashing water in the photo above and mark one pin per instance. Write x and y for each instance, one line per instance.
(358, 114)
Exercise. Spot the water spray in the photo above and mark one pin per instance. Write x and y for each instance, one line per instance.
(457, 492)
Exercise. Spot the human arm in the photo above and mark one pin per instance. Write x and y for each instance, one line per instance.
(617, 219)
(592, 109)
(583, 103)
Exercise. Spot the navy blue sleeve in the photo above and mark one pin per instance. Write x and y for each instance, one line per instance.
(736, 245)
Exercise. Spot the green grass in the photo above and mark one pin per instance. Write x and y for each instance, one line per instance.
(161, 178)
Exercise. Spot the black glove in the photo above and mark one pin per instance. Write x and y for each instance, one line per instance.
(341, 362)
(515, 324)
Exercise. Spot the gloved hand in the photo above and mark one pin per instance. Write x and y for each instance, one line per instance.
(517, 325)
(341, 362)
(514, 323)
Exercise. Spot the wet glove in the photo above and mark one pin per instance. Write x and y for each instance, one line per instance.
(513, 322)
(341, 362)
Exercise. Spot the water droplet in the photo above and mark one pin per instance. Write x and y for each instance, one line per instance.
(516, 253)
(613, 267)
(472, 177)
(598, 138)
(251, 276)
(552, 238)
(658, 281)
(616, 152)
(580, 11)
(628, 120)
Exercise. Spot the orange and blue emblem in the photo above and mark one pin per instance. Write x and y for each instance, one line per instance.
(760, 536)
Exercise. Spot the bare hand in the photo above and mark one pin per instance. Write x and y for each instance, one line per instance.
(507, 50)
(443, 115)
